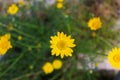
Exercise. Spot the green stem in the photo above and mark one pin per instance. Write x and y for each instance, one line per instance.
(16, 30)
(27, 75)
(24, 34)
(6, 62)
(69, 28)
(106, 42)
(56, 76)
(27, 25)
(11, 66)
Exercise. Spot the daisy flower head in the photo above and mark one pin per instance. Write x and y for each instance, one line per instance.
(20, 37)
(57, 64)
(61, 44)
(59, 5)
(21, 2)
(94, 23)
(47, 68)
(114, 58)
(13, 9)
(5, 44)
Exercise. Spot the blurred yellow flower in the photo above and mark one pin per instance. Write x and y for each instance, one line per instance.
(59, 5)
(31, 67)
(13, 9)
(19, 37)
(60, 0)
(94, 23)
(38, 46)
(47, 68)
(96, 64)
(91, 71)
(4, 44)
(29, 48)
(61, 45)
(114, 58)
(57, 64)
(21, 2)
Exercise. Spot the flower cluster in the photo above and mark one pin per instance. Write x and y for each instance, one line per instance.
(49, 67)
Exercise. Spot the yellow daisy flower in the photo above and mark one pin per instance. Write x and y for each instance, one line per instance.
(31, 67)
(4, 44)
(61, 45)
(21, 2)
(57, 64)
(20, 37)
(96, 64)
(114, 57)
(13, 9)
(94, 23)
(59, 5)
(47, 68)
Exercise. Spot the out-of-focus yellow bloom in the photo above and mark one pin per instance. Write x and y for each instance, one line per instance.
(96, 64)
(21, 2)
(29, 48)
(10, 27)
(13, 9)
(94, 23)
(91, 71)
(31, 67)
(59, 5)
(57, 64)
(60, 1)
(38, 46)
(114, 58)
(5, 44)
(61, 45)
(47, 68)
(19, 37)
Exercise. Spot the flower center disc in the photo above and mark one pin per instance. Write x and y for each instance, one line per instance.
(61, 45)
(116, 58)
